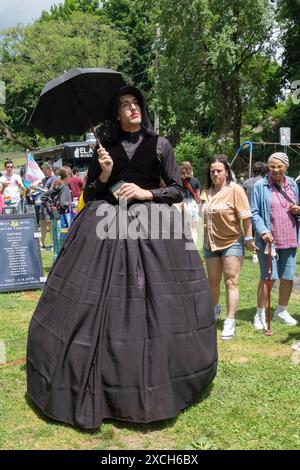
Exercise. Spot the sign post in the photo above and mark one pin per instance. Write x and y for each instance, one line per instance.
(20, 256)
(285, 137)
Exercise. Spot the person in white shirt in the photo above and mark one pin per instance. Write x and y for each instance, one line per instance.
(13, 187)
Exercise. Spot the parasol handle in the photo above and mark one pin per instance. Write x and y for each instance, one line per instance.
(96, 137)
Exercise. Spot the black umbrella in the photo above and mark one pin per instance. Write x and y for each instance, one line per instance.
(75, 101)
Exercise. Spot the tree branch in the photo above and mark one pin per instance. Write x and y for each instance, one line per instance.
(10, 135)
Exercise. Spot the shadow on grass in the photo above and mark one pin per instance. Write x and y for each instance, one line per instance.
(143, 428)
(245, 314)
(53, 422)
(293, 335)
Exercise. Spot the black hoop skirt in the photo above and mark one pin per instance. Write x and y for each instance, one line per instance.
(124, 328)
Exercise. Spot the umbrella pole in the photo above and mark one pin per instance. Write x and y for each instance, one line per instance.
(96, 137)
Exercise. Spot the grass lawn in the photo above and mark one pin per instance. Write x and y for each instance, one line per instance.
(253, 403)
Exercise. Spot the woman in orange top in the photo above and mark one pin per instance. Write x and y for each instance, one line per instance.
(224, 206)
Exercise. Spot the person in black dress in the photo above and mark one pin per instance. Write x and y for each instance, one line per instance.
(124, 328)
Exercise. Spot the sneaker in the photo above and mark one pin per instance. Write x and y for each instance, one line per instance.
(228, 329)
(284, 317)
(259, 322)
(217, 311)
(255, 258)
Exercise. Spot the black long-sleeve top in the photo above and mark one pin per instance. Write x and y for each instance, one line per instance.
(169, 172)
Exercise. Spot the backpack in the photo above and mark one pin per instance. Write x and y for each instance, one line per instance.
(51, 201)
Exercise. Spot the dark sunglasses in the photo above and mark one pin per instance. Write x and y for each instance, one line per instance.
(9, 166)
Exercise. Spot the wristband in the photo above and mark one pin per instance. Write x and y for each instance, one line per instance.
(247, 239)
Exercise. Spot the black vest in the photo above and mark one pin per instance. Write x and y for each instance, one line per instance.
(143, 168)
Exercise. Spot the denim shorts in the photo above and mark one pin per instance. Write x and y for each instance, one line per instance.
(237, 249)
(284, 267)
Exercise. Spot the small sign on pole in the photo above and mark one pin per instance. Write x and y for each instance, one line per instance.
(285, 136)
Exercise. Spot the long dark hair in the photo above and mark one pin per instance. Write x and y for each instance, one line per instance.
(219, 158)
(109, 132)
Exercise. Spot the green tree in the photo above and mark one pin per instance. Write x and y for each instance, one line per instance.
(215, 56)
(289, 18)
(136, 19)
(66, 9)
(31, 56)
(198, 151)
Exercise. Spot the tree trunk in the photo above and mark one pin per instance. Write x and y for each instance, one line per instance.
(237, 121)
(237, 113)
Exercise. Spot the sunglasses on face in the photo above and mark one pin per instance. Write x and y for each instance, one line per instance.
(9, 166)
(276, 167)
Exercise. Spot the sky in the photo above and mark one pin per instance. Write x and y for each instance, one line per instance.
(13, 12)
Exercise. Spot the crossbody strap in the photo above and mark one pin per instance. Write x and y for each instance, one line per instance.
(285, 195)
(191, 190)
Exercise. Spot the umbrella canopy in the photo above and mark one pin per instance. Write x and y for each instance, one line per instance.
(75, 101)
